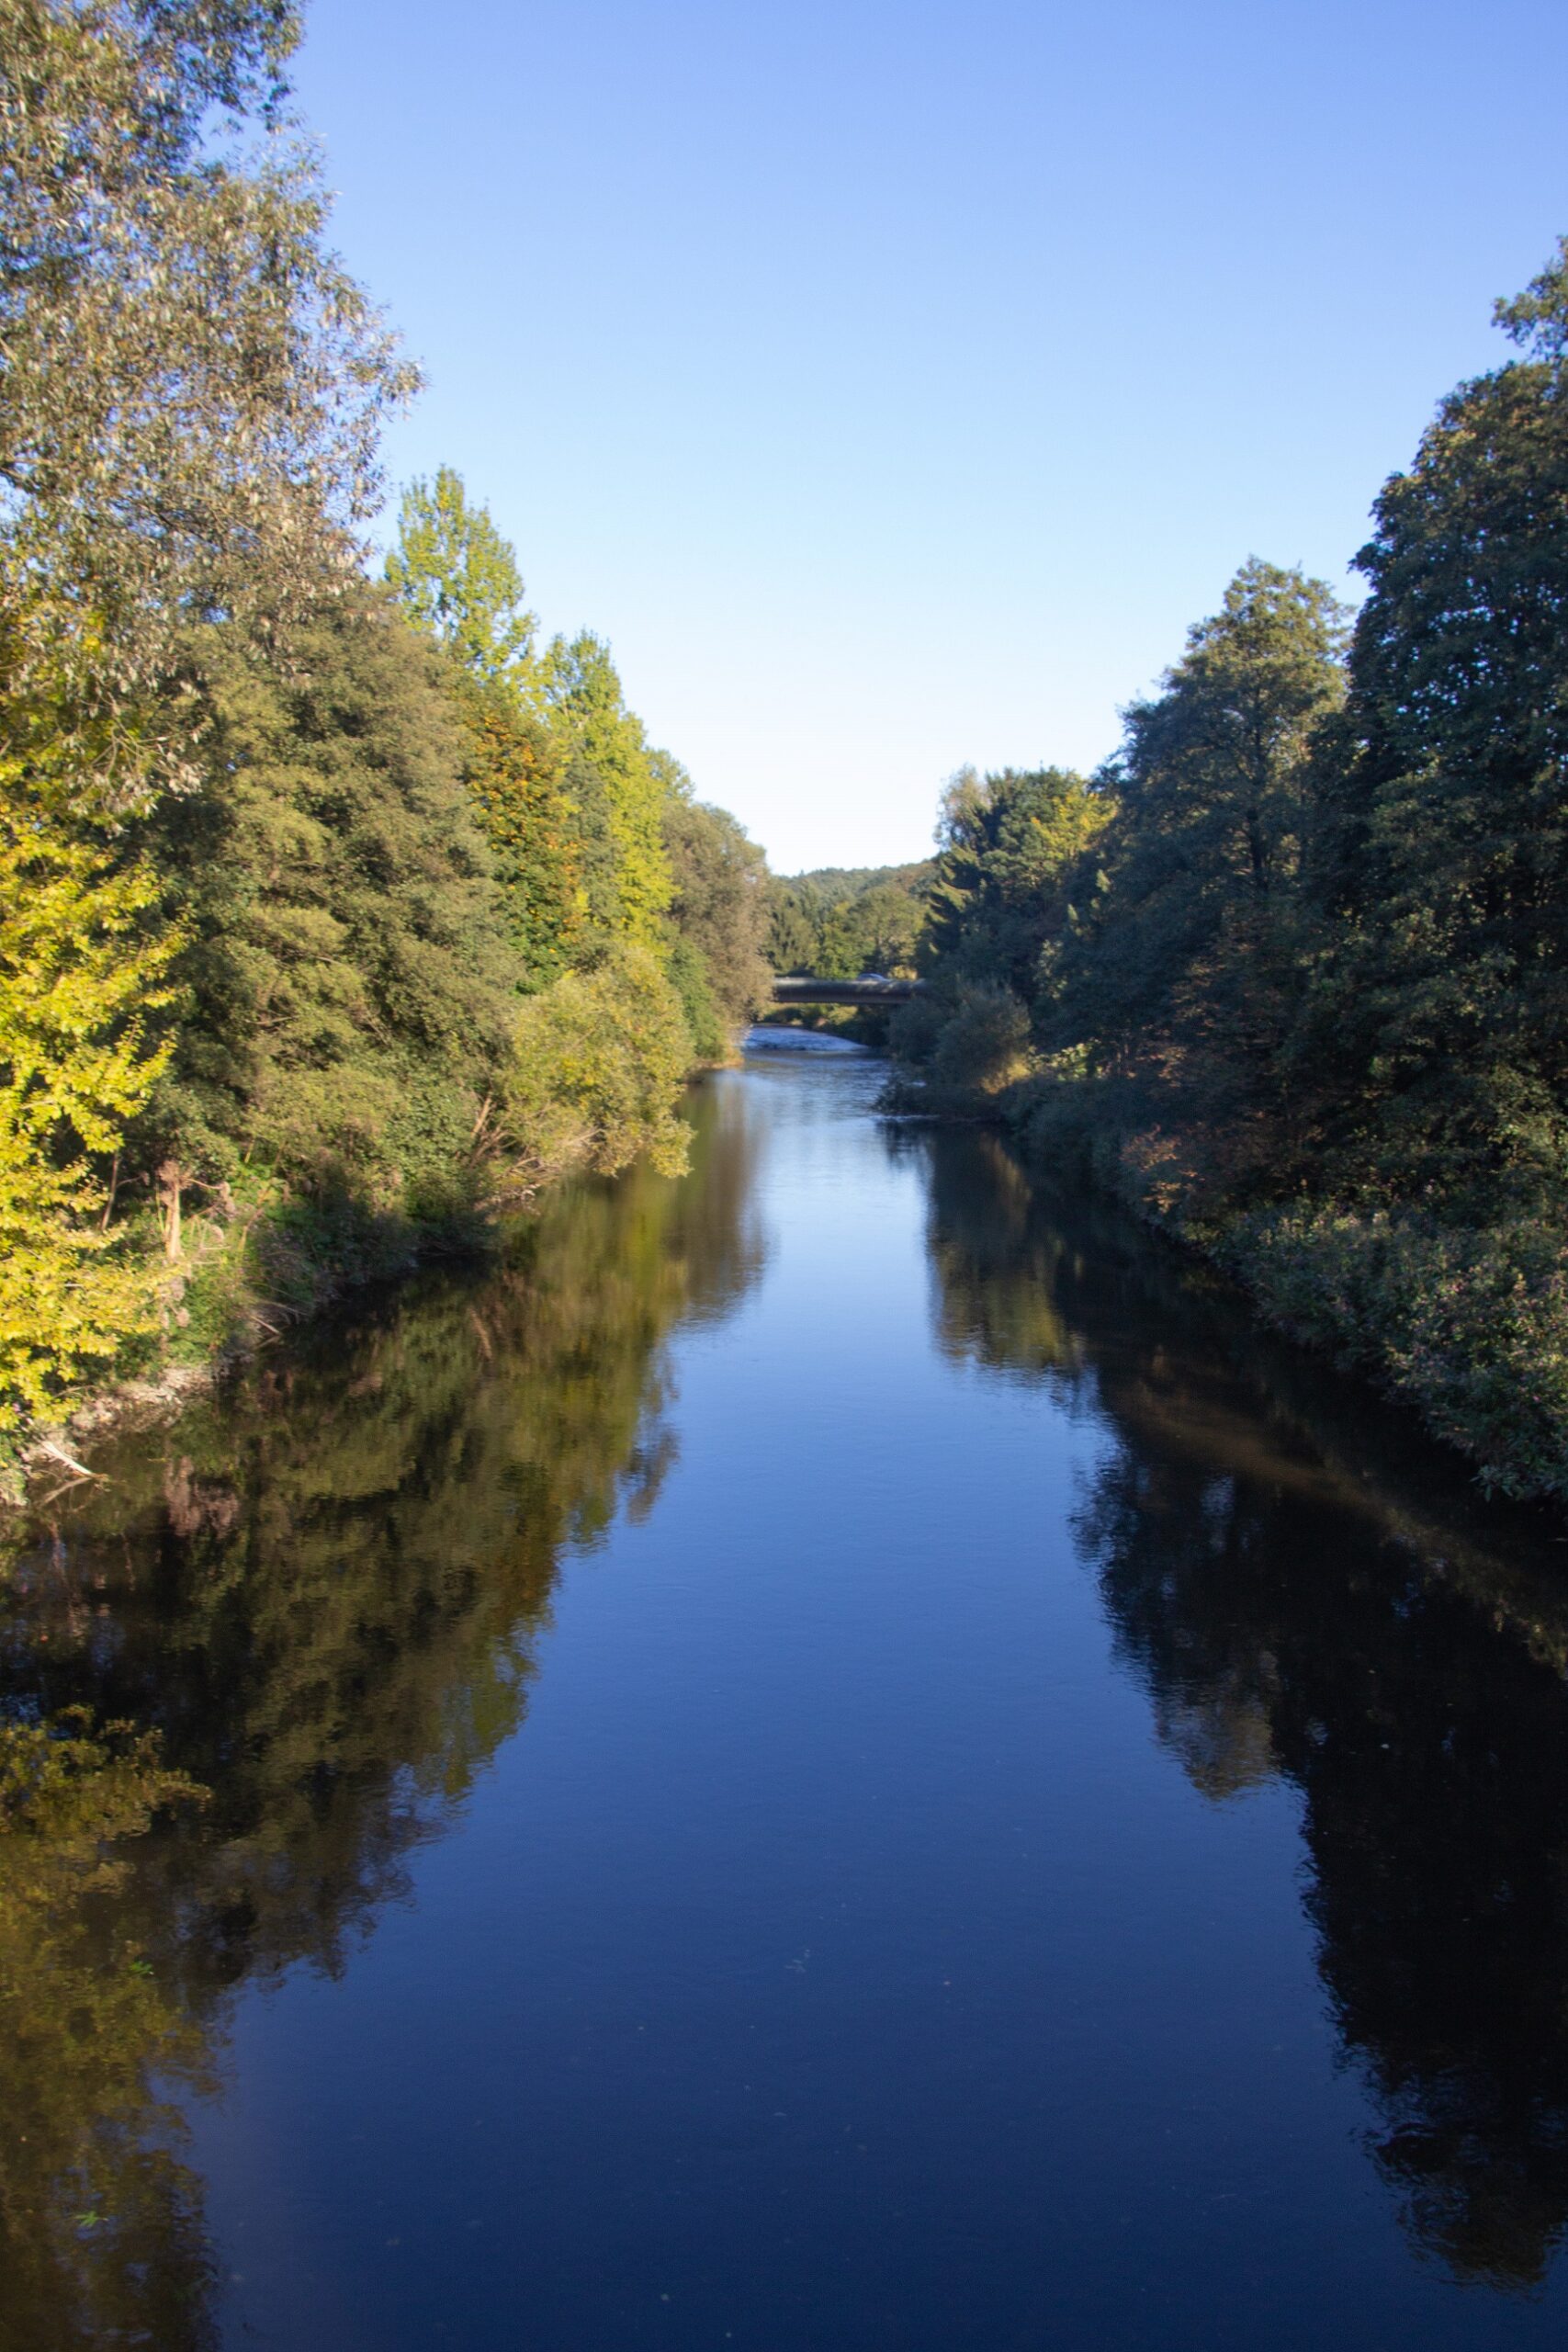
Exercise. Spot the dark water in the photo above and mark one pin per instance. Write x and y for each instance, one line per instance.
(838, 1755)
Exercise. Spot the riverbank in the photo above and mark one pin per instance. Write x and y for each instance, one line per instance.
(1467, 1323)
(247, 1274)
(253, 1268)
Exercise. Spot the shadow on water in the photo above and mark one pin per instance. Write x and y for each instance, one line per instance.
(1305, 1590)
(326, 1592)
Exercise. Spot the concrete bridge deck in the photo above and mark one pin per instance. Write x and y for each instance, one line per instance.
(801, 989)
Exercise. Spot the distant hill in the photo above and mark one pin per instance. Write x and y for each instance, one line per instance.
(831, 885)
(841, 920)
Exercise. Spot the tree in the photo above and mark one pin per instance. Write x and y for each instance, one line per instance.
(349, 983)
(193, 387)
(1182, 975)
(82, 981)
(189, 406)
(721, 906)
(620, 786)
(458, 584)
(792, 928)
(1441, 1030)
(1007, 847)
(1213, 783)
(459, 578)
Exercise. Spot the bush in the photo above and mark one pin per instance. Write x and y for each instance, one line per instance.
(1471, 1322)
(984, 1045)
(597, 1064)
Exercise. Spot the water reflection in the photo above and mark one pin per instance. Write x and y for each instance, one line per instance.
(325, 1597)
(1302, 1590)
(323, 1594)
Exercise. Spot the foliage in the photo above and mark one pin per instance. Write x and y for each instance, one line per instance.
(193, 387)
(841, 920)
(348, 982)
(983, 1044)
(81, 980)
(1439, 1028)
(719, 909)
(1011, 849)
(459, 579)
(596, 1062)
(619, 787)
(1471, 1320)
(1303, 988)
(458, 582)
(514, 765)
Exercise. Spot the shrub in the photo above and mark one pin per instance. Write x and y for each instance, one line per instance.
(598, 1061)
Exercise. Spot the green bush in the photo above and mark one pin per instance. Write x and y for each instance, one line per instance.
(597, 1063)
(1471, 1322)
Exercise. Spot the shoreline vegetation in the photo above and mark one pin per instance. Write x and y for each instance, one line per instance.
(336, 909)
(1290, 974)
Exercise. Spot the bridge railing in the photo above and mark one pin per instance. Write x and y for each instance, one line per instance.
(798, 988)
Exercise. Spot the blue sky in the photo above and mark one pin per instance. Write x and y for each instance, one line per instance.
(892, 386)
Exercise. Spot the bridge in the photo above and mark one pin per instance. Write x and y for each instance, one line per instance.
(870, 989)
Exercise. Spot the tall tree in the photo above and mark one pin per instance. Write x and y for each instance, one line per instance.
(1007, 846)
(459, 578)
(349, 983)
(193, 387)
(1442, 1025)
(619, 786)
(1212, 783)
(82, 980)
(189, 406)
(720, 907)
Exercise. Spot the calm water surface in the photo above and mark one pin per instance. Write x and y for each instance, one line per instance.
(837, 1754)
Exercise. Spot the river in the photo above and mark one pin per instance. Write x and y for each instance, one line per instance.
(837, 1754)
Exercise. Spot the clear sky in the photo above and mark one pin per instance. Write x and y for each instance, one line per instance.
(892, 385)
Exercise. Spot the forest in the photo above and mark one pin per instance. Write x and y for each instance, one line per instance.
(1289, 972)
(335, 906)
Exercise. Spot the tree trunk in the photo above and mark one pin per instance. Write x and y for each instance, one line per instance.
(170, 1185)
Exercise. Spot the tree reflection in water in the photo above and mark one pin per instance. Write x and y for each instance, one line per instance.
(323, 1595)
(1303, 1589)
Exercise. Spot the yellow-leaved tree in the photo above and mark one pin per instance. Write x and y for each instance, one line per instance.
(82, 971)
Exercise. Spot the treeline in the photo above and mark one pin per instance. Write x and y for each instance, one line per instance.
(844, 919)
(330, 907)
(1293, 966)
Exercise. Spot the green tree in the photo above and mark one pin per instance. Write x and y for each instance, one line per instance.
(1182, 974)
(189, 406)
(1011, 848)
(619, 787)
(793, 932)
(720, 907)
(1440, 1035)
(1214, 791)
(458, 582)
(459, 578)
(193, 389)
(349, 982)
(1007, 848)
